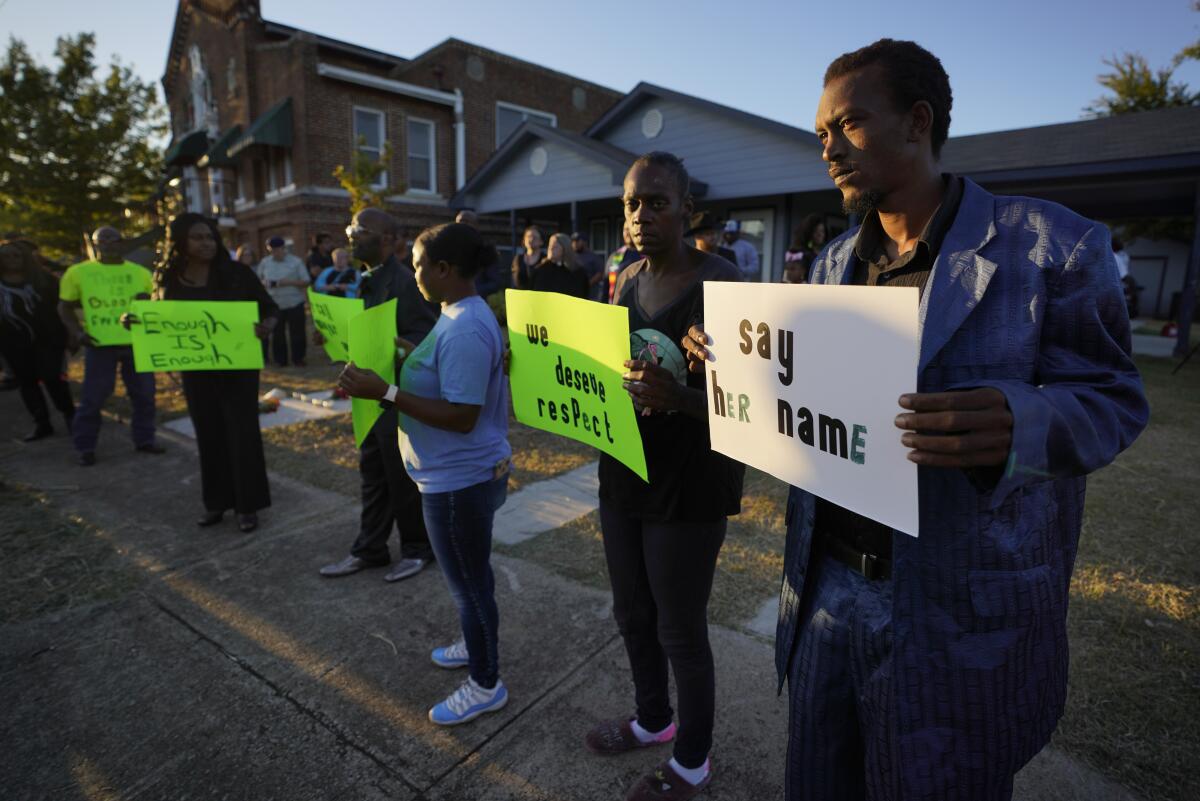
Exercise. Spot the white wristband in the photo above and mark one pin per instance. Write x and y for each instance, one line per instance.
(390, 395)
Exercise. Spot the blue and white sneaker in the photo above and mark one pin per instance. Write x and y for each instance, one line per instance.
(452, 656)
(468, 702)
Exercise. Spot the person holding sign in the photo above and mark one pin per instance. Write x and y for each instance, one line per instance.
(453, 408)
(32, 337)
(389, 496)
(662, 538)
(223, 404)
(935, 666)
(102, 290)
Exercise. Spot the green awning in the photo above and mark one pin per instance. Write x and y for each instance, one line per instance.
(218, 155)
(188, 149)
(272, 128)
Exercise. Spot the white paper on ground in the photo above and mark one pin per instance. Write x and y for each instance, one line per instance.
(853, 352)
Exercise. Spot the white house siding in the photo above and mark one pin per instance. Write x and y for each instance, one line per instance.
(569, 175)
(735, 158)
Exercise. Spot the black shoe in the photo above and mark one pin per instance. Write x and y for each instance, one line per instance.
(247, 523)
(210, 518)
(152, 447)
(87, 459)
(41, 432)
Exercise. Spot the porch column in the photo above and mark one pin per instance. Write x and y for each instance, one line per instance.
(1187, 301)
(512, 225)
(574, 218)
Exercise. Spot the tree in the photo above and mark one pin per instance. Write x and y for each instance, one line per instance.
(76, 149)
(362, 179)
(1136, 87)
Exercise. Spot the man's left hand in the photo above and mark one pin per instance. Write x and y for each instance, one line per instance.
(359, 383)
(972, 428)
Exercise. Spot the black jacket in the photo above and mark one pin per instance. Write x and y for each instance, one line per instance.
(415, 316)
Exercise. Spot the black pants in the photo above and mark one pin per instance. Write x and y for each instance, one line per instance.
(292, 321)
(40, 362)
(223, 405)
(388, 496)
(661, 575)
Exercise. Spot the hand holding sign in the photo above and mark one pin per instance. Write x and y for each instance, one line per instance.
(359, 383)
(694, 348)
(654, 389)
(956, 429)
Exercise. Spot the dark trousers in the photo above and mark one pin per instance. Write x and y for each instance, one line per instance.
(661, 575)
(460, 528)
(99, 379)
(389, 497)
(224, 409)
(41, 362)
(292, 321)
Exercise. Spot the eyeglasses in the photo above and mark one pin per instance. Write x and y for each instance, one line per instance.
(355, 229)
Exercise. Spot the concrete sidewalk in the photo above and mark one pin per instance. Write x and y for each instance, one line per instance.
(235, 672)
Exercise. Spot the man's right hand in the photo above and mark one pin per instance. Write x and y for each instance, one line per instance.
(695, 346)
(128, 319)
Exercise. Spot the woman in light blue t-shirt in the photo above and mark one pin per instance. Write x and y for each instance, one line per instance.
(453, 406)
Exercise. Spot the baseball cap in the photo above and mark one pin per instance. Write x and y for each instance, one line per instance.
(733, 226)
(276, 242)
(701, 221)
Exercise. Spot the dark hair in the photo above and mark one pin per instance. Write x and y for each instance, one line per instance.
(802, 234)
(177, 236)
(912, 73)
(672, 164)
(319, 238)
(457, 244)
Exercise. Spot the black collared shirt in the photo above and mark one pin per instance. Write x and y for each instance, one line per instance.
(872, 268)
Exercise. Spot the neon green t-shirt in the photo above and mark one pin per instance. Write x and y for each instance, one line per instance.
(104, 292)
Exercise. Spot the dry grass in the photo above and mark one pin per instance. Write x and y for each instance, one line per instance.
(539, 455)
(320, 452)
(52, 562)
(1134, 622)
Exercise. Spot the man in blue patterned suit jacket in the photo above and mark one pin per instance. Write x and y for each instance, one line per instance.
(935, 667)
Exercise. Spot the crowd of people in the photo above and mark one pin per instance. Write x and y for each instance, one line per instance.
(917, 667)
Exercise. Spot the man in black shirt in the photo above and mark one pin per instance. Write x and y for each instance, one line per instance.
(389, 496)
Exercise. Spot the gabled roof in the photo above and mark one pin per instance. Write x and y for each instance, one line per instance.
(614, 158)
(1163, 135)
(647, 90)
(451, 42)
(278, 29)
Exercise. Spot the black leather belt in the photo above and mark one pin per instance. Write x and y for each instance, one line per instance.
(872, 567)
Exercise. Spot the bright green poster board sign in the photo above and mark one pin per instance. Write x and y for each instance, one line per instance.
(331, 316)
(372, 346)
(568, 356)
(182, 335)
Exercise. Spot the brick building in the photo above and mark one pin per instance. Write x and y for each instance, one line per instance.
(262, 113)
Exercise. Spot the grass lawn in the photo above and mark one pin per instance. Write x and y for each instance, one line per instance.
(52, 562)
(1134, 622)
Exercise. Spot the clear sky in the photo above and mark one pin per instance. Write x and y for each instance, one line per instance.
(1012, 63)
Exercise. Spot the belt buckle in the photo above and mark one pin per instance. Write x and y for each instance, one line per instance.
(868, 566)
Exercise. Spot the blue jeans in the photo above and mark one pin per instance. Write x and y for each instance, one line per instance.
(99, 379)
(460, 530)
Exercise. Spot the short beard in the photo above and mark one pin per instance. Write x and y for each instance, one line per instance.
(862, 204)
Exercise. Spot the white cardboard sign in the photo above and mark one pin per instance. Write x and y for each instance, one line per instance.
(804, 383)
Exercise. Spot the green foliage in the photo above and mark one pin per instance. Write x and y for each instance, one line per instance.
(1136, 87)
(362, 179)
(76, 148)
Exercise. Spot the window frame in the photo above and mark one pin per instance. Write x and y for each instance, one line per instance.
(431, 155)
(523, 110)
(381, 125)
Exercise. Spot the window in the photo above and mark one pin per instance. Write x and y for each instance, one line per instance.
(422, 156)
(758, 228)
(599, 237)
(509, 118)
(369, 137)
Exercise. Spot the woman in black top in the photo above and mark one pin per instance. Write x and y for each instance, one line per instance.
(525, 261)
(558, 272)
(661, 538)
(223, 404)
(33, 339)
